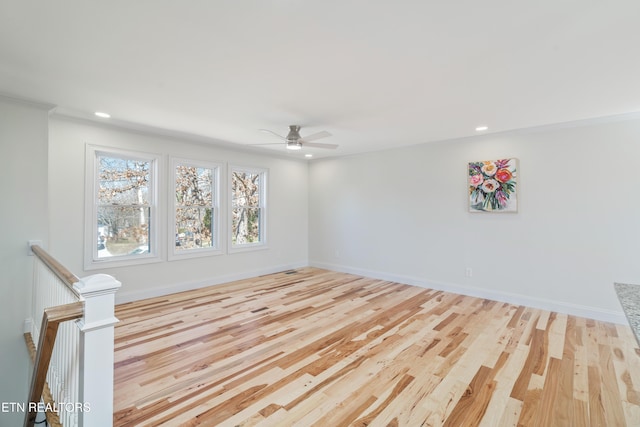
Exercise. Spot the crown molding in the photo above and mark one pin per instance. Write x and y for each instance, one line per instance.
(14, 99)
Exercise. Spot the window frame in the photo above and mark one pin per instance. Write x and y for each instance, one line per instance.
(262, 244)
(216, 217)
(92, 176)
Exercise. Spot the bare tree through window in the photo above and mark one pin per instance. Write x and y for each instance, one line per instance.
(247, 206)
(194, 207)
(123, 206)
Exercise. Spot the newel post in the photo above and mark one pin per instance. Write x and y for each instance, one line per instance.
(96, 349)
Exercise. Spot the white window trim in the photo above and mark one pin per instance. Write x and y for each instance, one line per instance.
(91, 260)
(217, 218)
(235, 248)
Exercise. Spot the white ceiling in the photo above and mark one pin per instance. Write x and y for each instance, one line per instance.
(376, 74)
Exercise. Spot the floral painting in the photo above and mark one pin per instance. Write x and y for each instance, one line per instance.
(492, 186)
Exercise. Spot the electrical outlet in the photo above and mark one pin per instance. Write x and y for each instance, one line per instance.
(468, 272)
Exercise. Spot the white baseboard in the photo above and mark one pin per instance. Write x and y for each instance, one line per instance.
(510, 298)
(124, 296)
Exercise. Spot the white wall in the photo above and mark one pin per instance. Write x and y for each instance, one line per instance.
(402, 214)
(287, 233)
(23, 217)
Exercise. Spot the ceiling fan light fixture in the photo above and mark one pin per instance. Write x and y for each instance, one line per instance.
(294, 145)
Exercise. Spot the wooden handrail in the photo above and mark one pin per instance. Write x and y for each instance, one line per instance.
(51, 319)
(52, 417)
(67, 277)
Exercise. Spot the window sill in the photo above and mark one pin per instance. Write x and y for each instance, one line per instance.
(195, 253)
(115, 262)
(248, 248)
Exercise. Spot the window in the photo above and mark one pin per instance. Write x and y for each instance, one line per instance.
(195, 230)
(248, 211)
(121, 208)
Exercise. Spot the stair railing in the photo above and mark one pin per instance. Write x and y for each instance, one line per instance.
(72, 380)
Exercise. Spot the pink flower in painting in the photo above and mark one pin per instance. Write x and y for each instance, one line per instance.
(490, 185)
(503, 175)
(476, 180)
(489, 169)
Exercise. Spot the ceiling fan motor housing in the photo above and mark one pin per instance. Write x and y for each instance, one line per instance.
(293, 138)
(294, 133)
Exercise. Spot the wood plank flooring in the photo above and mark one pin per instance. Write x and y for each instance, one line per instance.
(319, 348)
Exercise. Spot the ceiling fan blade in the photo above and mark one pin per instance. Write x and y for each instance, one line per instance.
(269, 143)
(319, 145)
(317, 135)
(272, 133)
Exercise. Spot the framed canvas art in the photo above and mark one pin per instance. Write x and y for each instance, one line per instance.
(493, 186)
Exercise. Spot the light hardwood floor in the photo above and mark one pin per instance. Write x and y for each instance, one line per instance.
(319, 348)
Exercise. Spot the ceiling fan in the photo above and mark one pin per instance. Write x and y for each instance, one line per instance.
(293, 140)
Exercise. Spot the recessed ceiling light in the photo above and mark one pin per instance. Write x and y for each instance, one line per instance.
(308, 155)
(481, 128)
(103, 115)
